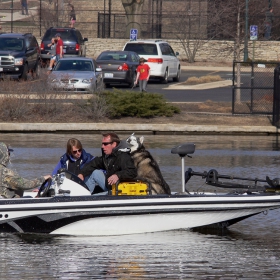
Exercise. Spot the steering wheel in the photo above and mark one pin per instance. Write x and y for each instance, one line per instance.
(43, 191)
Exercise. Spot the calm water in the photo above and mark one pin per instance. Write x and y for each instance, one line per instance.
(248, 250)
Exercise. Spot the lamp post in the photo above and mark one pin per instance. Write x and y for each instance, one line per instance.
(40, 18)
(12, 13)
(246, 33)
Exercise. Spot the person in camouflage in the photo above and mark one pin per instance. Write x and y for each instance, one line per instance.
(11, 184)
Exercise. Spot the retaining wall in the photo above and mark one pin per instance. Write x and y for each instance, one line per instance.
(208, 51)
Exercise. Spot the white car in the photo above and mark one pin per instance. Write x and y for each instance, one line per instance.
(160, 57)
(78, 74)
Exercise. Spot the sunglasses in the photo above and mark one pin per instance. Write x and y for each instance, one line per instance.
(77, 151)
(107, 143)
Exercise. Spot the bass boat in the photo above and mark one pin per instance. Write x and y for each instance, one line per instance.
(65, 206)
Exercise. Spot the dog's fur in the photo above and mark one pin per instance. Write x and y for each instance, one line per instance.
(147, 167)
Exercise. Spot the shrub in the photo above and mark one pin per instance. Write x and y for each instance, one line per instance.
(137, 104)
(14, 107)
(94, 108)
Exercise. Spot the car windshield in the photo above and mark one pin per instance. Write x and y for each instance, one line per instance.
(142, 48)
(73, 65)
(11, 44)
(113, 56)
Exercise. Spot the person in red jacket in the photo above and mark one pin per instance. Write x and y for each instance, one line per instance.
(59, 47)
(143, 74)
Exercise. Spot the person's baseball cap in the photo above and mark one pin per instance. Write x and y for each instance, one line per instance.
(57, 35)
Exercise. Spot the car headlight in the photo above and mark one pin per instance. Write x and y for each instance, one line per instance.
(87, 81)
(18, 61)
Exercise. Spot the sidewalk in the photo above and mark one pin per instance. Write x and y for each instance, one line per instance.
(16, 15)
(225, 83)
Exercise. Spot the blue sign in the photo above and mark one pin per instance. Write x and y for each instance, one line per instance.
(253, 32)
(133, 34)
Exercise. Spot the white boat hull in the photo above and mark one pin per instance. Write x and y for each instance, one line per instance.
(115, 215)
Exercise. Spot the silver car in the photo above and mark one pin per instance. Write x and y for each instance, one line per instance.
(79, 74)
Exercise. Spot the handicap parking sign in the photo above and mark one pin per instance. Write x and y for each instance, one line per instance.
(253, 32)
(133, 34)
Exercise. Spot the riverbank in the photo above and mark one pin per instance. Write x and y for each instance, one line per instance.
(195, 118)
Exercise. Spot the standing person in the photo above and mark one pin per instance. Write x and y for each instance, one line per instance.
(52, 52)
(24, 6)
(143, 74)
(74, 158)
(72, 16)
(269, 18)
(115, 160)
(11, 184)
(59, 47)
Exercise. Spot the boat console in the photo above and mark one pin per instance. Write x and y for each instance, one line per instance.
(64, 183)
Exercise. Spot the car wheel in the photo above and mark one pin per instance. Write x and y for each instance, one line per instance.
(44, 63)
(177, 78)
(24, 72)
(133, 80)
(36, 71)
(164, 80)
(107, 85)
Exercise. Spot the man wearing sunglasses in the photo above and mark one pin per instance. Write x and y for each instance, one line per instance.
(115, 159)
(74, 158)
(11, 184)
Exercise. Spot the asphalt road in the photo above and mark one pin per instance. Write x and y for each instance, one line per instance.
(190, 95)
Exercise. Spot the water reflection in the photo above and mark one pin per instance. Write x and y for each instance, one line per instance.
(248, 250)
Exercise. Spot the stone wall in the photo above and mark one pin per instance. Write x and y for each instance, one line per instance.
(209, 51)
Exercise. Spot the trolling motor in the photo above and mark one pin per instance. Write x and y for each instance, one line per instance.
(183, 150)
(212, 178)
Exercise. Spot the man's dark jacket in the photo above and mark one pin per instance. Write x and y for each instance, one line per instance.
(119, 163)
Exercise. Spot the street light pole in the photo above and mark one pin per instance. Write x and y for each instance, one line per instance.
(246, 33)
(12, 13)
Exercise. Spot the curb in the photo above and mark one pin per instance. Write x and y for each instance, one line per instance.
(125, 128)
(207, 68)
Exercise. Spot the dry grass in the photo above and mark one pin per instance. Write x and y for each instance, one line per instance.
(203, 80)
(34, 101)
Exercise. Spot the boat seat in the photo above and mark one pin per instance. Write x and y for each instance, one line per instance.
(183, 149)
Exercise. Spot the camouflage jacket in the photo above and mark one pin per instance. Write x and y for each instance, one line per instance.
(11, 184)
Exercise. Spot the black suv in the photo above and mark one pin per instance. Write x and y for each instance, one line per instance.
(19, 54)
(73, 42)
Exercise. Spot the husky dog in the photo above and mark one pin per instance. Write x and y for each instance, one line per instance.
(147, 167)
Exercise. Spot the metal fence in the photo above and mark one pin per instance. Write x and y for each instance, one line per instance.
(276, 98)
(253, 87)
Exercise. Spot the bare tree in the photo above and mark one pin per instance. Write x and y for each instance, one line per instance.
(190, 25)
(134, 10)
(51, 15)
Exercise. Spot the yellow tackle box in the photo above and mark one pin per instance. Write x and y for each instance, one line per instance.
(131, 188)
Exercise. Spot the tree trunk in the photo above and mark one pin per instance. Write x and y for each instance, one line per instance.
(133, 9)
